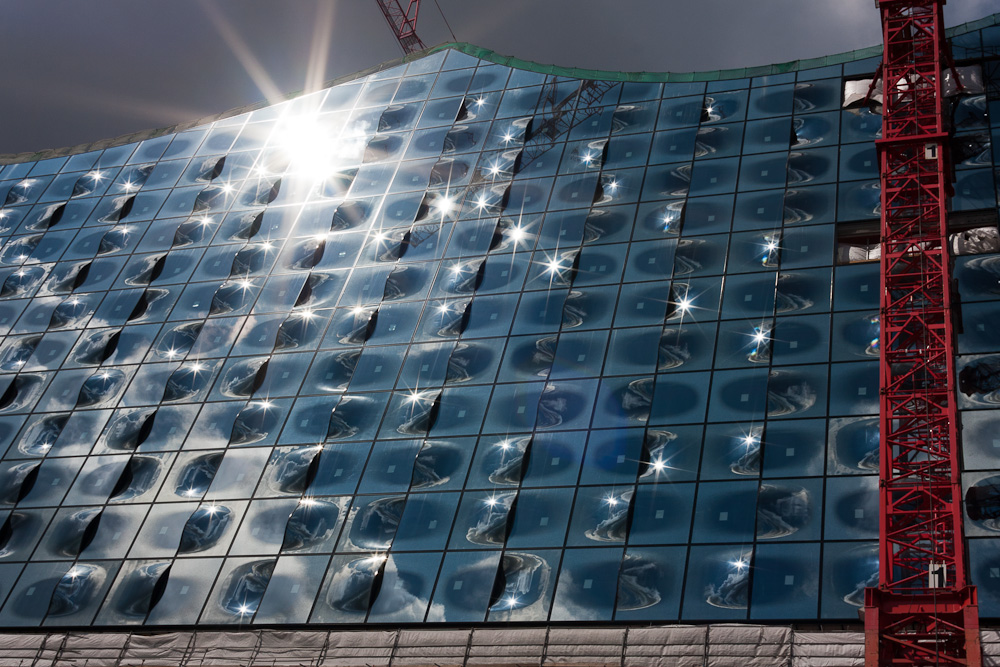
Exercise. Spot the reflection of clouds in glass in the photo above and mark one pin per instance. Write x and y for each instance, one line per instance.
(245, 586)
(786, 396)
(981, 275)
(351, 586)
(311, 523)
(141, 473)
(850, 571)
(197, 475)
(637, 584)
(565, 607)
(204, 528)
(400, 599)
(657, 454)
(787, 298)
(343, 415)
(374, 525)
(75, 589)
(40, 435)
(135, 597)
(979, 380)
(289, 469)
(854, 445)
(22, 280)
(435, 463)
(982, 503)
(732, 592)
(782, 511)
(491, 526)
(748, 462)
(465, 362)
(254, 423)
(555, 406)
(576, 308)
(239, 380)
(92, 348)
(673, 350)
(75, 531)
(613, 527)
(18, 480)
(510, 452)
(637, 398)
(543, 354)
(527, 580)
(187, 380)
(101, 388)
(23, 390)
(402, 282)
(856, 597)
(419, 413)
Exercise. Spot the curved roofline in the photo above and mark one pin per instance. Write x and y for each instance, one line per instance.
(500, 59)
(676, 77)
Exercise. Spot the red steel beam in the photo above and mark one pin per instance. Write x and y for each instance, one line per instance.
(403, 23)
(915, 617)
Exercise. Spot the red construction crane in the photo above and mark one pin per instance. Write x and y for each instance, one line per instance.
(924, 611)
(403, 23)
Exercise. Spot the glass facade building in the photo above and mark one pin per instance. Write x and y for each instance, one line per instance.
(464, 342)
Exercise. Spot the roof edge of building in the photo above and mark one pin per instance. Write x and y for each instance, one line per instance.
(500, 59)
(683, 77)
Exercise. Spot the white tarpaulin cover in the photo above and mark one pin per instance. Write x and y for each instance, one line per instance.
(670, 646)
(971, 78)
(856, 92)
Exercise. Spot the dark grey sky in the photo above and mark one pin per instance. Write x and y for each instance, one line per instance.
(77, 71)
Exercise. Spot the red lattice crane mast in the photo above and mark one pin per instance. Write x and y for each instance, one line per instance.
(924, 611)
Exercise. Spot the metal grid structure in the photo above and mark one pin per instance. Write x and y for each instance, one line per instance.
(403, 23)
(924, 610)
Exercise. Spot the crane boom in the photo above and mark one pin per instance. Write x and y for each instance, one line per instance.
(403, 23)
(924, 611)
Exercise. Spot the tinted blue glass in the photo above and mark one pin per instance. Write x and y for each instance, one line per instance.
(785, 580)
(717, 582)
(514, 348)
(584, 591)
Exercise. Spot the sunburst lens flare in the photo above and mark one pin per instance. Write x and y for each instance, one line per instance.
(445, 205)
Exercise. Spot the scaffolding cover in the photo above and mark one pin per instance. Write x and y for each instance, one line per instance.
(736, 645)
